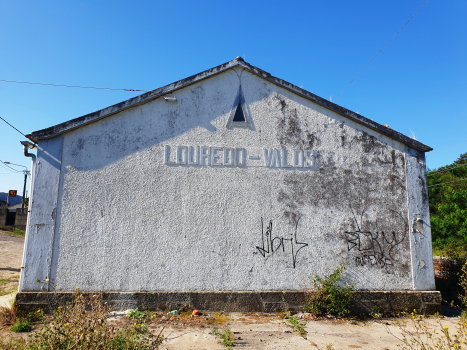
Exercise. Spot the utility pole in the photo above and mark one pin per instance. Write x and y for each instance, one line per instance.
(24, 188)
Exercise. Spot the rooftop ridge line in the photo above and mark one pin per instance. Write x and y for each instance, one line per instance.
(75, 123)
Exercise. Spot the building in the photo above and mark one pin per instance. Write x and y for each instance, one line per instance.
(11, 200)
(16, 206)
(12, 214)
(250, 185)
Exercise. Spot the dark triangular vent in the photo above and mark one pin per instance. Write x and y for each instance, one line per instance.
(239, 116)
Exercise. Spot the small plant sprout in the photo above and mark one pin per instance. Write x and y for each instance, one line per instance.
(226, 336)
(297, 325)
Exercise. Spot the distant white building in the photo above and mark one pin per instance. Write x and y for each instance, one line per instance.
(229, 180)
(14, 207)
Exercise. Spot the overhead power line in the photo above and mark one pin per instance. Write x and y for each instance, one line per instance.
(2, 167)
(5, 168)
(447, 148)
(11, 167)
(13, 127)
(11, 173)
(445, 170)
(380, 50)
(71, 86)
(447, 182)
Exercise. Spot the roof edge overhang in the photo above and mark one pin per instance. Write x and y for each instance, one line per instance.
(238, 62)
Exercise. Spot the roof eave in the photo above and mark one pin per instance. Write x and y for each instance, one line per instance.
(162, 91)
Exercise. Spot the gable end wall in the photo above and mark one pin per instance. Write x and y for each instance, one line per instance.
(130, 219)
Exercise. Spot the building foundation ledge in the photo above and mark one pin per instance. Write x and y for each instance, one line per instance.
(425, 302)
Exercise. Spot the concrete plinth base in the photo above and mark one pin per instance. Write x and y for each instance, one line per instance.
(425, 302)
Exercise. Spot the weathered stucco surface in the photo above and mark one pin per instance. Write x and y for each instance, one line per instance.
(129, 218)
(37, 255)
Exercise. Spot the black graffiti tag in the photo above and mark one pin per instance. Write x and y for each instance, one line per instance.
(375, 248)
(271, 245)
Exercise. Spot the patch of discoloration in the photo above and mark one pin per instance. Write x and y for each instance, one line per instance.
(362, 185)
(290, 132)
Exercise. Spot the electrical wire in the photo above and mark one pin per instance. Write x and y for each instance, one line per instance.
(447, 148)
(380, 51)
(13, 127)
(10, 172)
(4, 167)
(71, 86)
(445, 170)
(447, 182)
(18, 171)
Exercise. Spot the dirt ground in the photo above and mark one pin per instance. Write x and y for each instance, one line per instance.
(271, 331)
(11, 254)
(251, 331)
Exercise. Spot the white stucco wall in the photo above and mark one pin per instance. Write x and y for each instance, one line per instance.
(37, 255)
(127, 221)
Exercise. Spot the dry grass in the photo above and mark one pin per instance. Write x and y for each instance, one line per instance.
(12, 231)
(11, 344)
(218, 319)
(8, 314)
(81, 324)
(9, 284)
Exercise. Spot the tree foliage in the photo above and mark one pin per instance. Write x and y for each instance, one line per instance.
(448, 205)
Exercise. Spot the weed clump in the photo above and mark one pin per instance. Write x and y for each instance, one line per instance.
(422, 337)
(329, 295)
(139, 315)
(75, 327)
(21, 326)
(82, 324)
(227, 337)
(296, 323)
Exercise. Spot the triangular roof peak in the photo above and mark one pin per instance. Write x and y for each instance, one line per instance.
(237, 62)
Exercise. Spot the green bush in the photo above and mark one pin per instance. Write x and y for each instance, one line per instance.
(329, 295)
(447, 193)
(450, 285)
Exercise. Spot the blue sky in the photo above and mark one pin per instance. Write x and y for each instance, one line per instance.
(418, 83)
